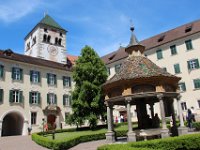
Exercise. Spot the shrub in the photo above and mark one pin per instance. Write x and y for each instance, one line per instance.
(185, 142)
(196, 125)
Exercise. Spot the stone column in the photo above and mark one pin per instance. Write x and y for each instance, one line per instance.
(174, 128)
(1, 122)
(164, 131)
(151, 109)
(182, 129)
(131, 135)
(25, 128)
(110, 134)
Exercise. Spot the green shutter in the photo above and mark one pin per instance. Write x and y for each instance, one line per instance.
(64, 84)
(48, 98)
(39, 77)
(21, 74)
(38, 97)
(55, 96)
(70, 100)
(197, 63)
(1, 95)
(31, 75)
(11, 96)
(184, 87)
(69, 82)
(188, 64)
(48, 80)
(13, 76)
(177, 68)
(64, 103)
(30, 97)
(1, 71)
(55, 80)
(20, 96)
(159, 54)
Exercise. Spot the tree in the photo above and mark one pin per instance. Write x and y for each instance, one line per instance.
(89, 74)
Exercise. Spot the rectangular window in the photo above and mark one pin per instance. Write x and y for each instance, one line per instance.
(33, 117)
(67, 100)
(51, 79)
(177, 68)
(108, 70)
(17, 73)
(159, 54)
(183, 106)
(51, 98)
(193, 64)
(16, 96)
(66, 81)
(196, 83)
(1, 95)
(173, 49)
(1, 71)
(34, 97)
(198, 101)
(182, 86)
(188, 44)
(117, 67)
(34, 76)
(165, 69)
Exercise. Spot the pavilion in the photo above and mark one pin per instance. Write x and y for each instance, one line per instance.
(140, 82)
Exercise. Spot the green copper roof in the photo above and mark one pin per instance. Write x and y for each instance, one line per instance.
(47, 20)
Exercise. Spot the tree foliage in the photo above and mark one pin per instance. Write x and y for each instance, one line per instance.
(89, 74)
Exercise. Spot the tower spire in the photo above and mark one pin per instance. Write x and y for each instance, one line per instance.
(133, 39)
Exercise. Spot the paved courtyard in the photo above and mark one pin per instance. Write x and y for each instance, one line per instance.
(19, 143)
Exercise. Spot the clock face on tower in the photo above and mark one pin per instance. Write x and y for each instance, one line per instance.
(52, 50)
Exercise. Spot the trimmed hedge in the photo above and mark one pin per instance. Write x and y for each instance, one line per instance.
(196, 125)
(185, 142)
(66, 144)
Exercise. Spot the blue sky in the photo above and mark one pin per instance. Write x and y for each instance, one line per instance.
(101, 24)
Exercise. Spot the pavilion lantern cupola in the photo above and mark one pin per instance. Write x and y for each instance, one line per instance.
(134, 48)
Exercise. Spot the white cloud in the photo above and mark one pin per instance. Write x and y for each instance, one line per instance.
(12, 10)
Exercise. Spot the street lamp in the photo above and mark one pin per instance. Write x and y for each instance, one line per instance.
(43, 126)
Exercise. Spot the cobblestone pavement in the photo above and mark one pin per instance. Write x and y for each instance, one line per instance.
(19, 143)
(89, 145)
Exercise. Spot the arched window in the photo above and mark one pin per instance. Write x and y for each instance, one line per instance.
(59, 41)
(44, 37)
(34, 40)
(28, 46)
(48, 38)
(56, 40)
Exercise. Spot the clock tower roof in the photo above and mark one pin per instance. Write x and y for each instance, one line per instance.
(49, 21)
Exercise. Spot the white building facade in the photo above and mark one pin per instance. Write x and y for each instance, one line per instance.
(35, 88)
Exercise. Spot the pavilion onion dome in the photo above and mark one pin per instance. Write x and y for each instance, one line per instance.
(138, 68)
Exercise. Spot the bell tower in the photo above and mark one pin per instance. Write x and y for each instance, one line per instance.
(47, 40)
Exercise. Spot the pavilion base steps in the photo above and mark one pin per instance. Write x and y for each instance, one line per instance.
(110, 137)
(182, 130)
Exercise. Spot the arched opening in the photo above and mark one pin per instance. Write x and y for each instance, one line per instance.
(51, 121)
(49, 39)
(45, 38)
(12, 124)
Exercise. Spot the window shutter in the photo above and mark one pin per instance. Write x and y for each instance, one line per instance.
(64, 84)
(184, 87)
(55, 80)
(48, 80)
(188, 63)
(11, 96)
(21, 74)
(176, 68)
(39, 77)
(20, 96)
(30, 97)
(1, 95)
(48, 98)
(13, 76)
(69, 82)
(1, 70)
(197, 63)
(70, 100)
(38, 97)
(31, 75)
(64, 103)
(55, 98)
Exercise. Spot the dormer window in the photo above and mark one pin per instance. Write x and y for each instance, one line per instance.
(111, 57)
(188, 28)
(161, 38)
(49, 39)
(59, 41)
(44, 38)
